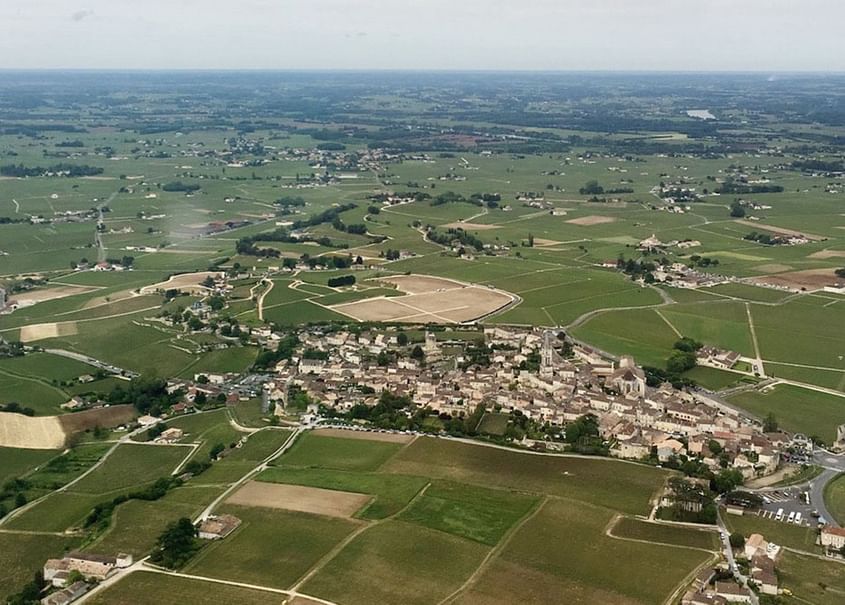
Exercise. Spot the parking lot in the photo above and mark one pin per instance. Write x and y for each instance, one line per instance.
(789, 501)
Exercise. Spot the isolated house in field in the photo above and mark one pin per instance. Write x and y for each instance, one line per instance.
(217, 527)
(91, 566)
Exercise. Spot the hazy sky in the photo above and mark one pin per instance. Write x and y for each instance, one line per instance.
(758, 35)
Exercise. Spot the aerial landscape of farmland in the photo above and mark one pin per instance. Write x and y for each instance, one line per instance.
(419, 334)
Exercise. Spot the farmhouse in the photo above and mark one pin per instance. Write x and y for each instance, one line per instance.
(67, 595)
(171, 435)
(217, 527)
(91, 566)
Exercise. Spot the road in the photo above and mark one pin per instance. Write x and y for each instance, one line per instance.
(262, 466)
(125, 439)
(93, 362)
(727, 550)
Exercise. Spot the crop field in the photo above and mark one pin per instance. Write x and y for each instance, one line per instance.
(390, 493)
(797, 409)
(271, 547)
(148, 588)
(132, 466)
(594, 481)
(15, 462)
(476, 513)
(428, 300)
(532, 567)
(636, 529)
(314, 450)
(21, 555)
(19, 431)
(397, 562)
(314, 500)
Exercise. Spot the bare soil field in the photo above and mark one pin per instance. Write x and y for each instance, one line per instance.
(109, 417)
(365, 435)
(314, 500)
(779, 230)
(31, 432)
(539, 242)
(825, 254)
(773, 268)
(809, 279)
(48, 330)
(428, 300)
(38, 295)
(471, 226)
(593, 219)
(185, 281)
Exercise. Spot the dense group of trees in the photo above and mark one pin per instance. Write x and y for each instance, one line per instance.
(70, 170)
(176, 544)
(454, 235)
(342, 280)
(734, 187)
(284, 350)
(737, 209)
(148, 395)
(179, 186)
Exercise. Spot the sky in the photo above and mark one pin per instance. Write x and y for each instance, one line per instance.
(565, 35)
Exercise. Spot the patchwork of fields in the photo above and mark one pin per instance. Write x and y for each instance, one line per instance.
(433, 521)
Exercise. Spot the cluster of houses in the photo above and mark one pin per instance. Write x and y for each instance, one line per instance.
(527, 374)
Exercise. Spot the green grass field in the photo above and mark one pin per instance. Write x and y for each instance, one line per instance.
(796, 409)
(312, 450)
(784, 534)
(625, 487)
(811, 580)
(834, 498)
(479, 514)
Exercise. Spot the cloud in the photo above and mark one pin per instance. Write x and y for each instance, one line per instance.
(81, 14)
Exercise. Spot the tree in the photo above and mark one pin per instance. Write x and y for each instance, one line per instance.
(216, 303)
(737, 540)
(216, 450)
(727, 480)
(176, 544)
(402, 339)
(840, 272)
(770, 423)
(417, 353)
(737, 209)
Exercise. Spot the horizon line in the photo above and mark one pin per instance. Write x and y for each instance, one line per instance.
(779, 72)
